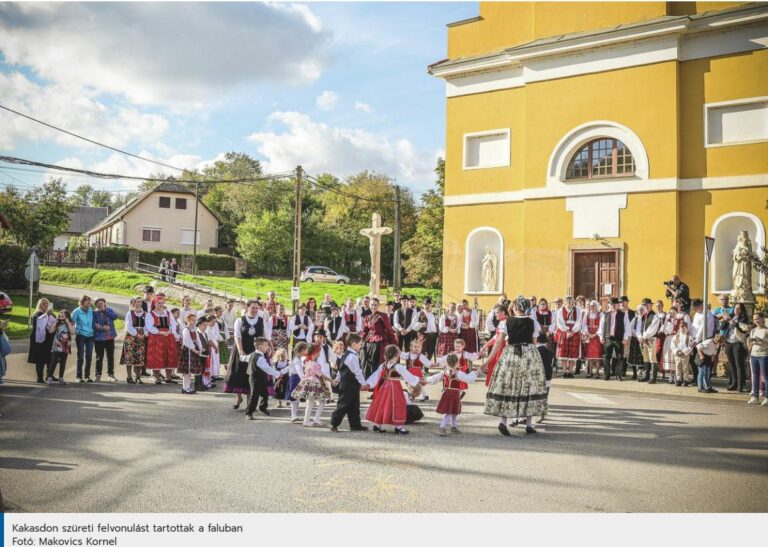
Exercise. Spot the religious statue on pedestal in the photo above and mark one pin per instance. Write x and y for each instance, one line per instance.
(742, 269)
(489, 271)
(374, 234)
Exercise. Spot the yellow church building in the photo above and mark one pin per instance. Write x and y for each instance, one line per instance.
(591, 146)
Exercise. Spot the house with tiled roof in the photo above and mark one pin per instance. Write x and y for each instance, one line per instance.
(162, 218)
(81, 220)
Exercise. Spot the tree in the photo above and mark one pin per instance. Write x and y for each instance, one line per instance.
(424, 251)
(266, 240)
(82, 195)
(37, 215)
(101, 198)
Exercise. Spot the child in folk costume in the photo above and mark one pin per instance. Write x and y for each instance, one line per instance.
(258, 370)
(465, 358)
(416, 362)
(468, 326)
(134, 354)
(61, 347)
(162, 348)
(674, 320)
(450, 401)
(215, 341)
(681, 346)
(389, 406)
(313, 388)
(222, 340)
(350, 382)
(281, 363)
(592, 350)
(175, 312)
(568, 321)
(500, 332)
(279, 321)
(325, 357)
(190, 359)
(635, 355)
(203, 382)
(449, 331)
(295, 373)
(339, 349)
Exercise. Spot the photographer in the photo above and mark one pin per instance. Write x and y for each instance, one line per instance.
(678, 289)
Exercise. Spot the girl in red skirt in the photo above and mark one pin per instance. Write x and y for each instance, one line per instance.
(449, 331)
(162, 351)
(389, 405)
(468, 326)
(464, 358)
(590, 337)
(416, 362)
(450, 402)
(568, 322)
(191, 362)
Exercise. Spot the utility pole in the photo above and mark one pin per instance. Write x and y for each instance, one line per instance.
(297, 242)
(194, 233)
(396, 259)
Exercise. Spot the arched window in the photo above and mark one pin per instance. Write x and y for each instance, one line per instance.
(601, 158)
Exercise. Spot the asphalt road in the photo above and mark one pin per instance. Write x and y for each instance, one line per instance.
(117, 302)
(124, 448)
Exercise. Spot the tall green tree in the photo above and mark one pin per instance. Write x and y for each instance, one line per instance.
(82, 195)
(424, 251)
(101, 198)
(37, 215)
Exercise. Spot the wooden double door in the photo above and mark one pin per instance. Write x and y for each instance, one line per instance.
(595, 274)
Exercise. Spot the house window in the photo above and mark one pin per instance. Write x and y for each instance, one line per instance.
(181, 203)
(601, 158)
(186, 237)
(150, 234)
(165, 202)
(486, 149)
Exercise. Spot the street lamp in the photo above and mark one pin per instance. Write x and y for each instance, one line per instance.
(709, 245)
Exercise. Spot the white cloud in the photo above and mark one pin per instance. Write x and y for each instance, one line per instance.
(70, 108)
(341, 151)
(363, 107)
(178, 54)
(327, 100)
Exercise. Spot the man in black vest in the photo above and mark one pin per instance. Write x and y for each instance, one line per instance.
(335, 326)
(630, 314)
(351, 381)
(614, 334)
(402, 324)
(301, 326)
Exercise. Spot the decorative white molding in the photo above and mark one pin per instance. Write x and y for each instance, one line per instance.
(477, 239)
(756, 122)
(587, 224)
(756, 228)
(504, 149)
(579, 136)
(681, 38)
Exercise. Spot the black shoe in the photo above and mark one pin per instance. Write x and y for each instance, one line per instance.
(131, 380)
(377, 429)
(334, 429)
(504, 430)
(249, 417)
(589, 376)
(619, 378)
(88, 381)
(678, 384)
(237, 405)
(731, 388)
(462, 395)
(529, 430)
(712, 390)
(361, 428)
(607, 378)
(264, 411)
(651, 381)
(139, 380)
(158, 381)
(40, 381)
(145, 373)
(399, 431)
(171, 381)
(188, 391)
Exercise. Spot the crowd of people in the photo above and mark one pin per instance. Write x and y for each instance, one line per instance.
(328, 353)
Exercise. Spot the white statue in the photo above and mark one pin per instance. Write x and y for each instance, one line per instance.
(742, 269)
(374, 234)
(489, 271)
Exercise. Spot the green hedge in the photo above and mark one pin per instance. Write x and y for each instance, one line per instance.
(13, 260)
(112, 255)
(207, 261)
(154, 257)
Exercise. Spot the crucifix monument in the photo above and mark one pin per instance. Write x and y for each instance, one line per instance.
(374, 234)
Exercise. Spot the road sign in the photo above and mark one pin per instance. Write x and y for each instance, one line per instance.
(32, 273)
(295, 293)
(33, 260)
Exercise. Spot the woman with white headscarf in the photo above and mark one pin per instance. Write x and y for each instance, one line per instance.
(517, 388)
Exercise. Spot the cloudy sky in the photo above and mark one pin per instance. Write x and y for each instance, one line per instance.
(335, 87)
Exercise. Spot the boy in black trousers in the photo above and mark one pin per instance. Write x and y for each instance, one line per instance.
(351, 381)
(258, 368)
(547, 357)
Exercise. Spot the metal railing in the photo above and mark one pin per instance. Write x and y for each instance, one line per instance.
(200, 284)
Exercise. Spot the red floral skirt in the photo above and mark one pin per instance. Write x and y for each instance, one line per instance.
(470, 339)
(593, 349)
(445, 343)
(450, 402)
(162, 352)
(569, 348)
(492, 363)
(388, 406)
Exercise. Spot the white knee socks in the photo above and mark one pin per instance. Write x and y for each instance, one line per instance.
(445, 421)
(186, 381)
(319, 411)
(294, 409)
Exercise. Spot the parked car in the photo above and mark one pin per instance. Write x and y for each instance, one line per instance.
(6, 304)
(321, 274)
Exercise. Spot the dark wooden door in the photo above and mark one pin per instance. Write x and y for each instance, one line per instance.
(596, 274)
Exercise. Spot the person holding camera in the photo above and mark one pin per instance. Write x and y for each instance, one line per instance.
(676, 289)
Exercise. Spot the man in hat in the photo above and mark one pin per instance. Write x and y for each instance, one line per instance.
(146, 302)
(630, 313)
(335, 326)
(614, 334)
(648, 329)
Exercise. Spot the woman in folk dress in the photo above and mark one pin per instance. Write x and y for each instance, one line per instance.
(468, 326)
(134, 354)
(280, 337)
(568, 320)
(162, 348)
(673, 320)
(449, 331)
(592, 346)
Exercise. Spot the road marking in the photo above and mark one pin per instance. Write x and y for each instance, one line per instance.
(591, 398)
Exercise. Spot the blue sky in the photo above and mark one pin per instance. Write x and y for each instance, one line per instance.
(338, 87)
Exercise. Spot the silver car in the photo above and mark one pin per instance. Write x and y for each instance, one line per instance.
(321, 274)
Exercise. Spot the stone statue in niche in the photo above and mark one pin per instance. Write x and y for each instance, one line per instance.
(742, 269)
(489, 271)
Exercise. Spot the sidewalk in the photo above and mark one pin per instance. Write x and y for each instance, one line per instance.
(659, 389)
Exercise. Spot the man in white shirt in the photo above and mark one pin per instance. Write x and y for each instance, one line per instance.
(697, 331)
(301, 326)
(425, 323)
(229, 316)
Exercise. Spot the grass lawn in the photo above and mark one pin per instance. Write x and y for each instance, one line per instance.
(17, 328)
(121, 282)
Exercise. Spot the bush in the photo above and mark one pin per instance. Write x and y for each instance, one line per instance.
(112, 255)
(154, 257)
(13, 260)
(207, 261)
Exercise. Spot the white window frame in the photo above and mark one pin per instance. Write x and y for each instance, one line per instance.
(708, 106)
(181, 239)
(508, 150)
(158, 228)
